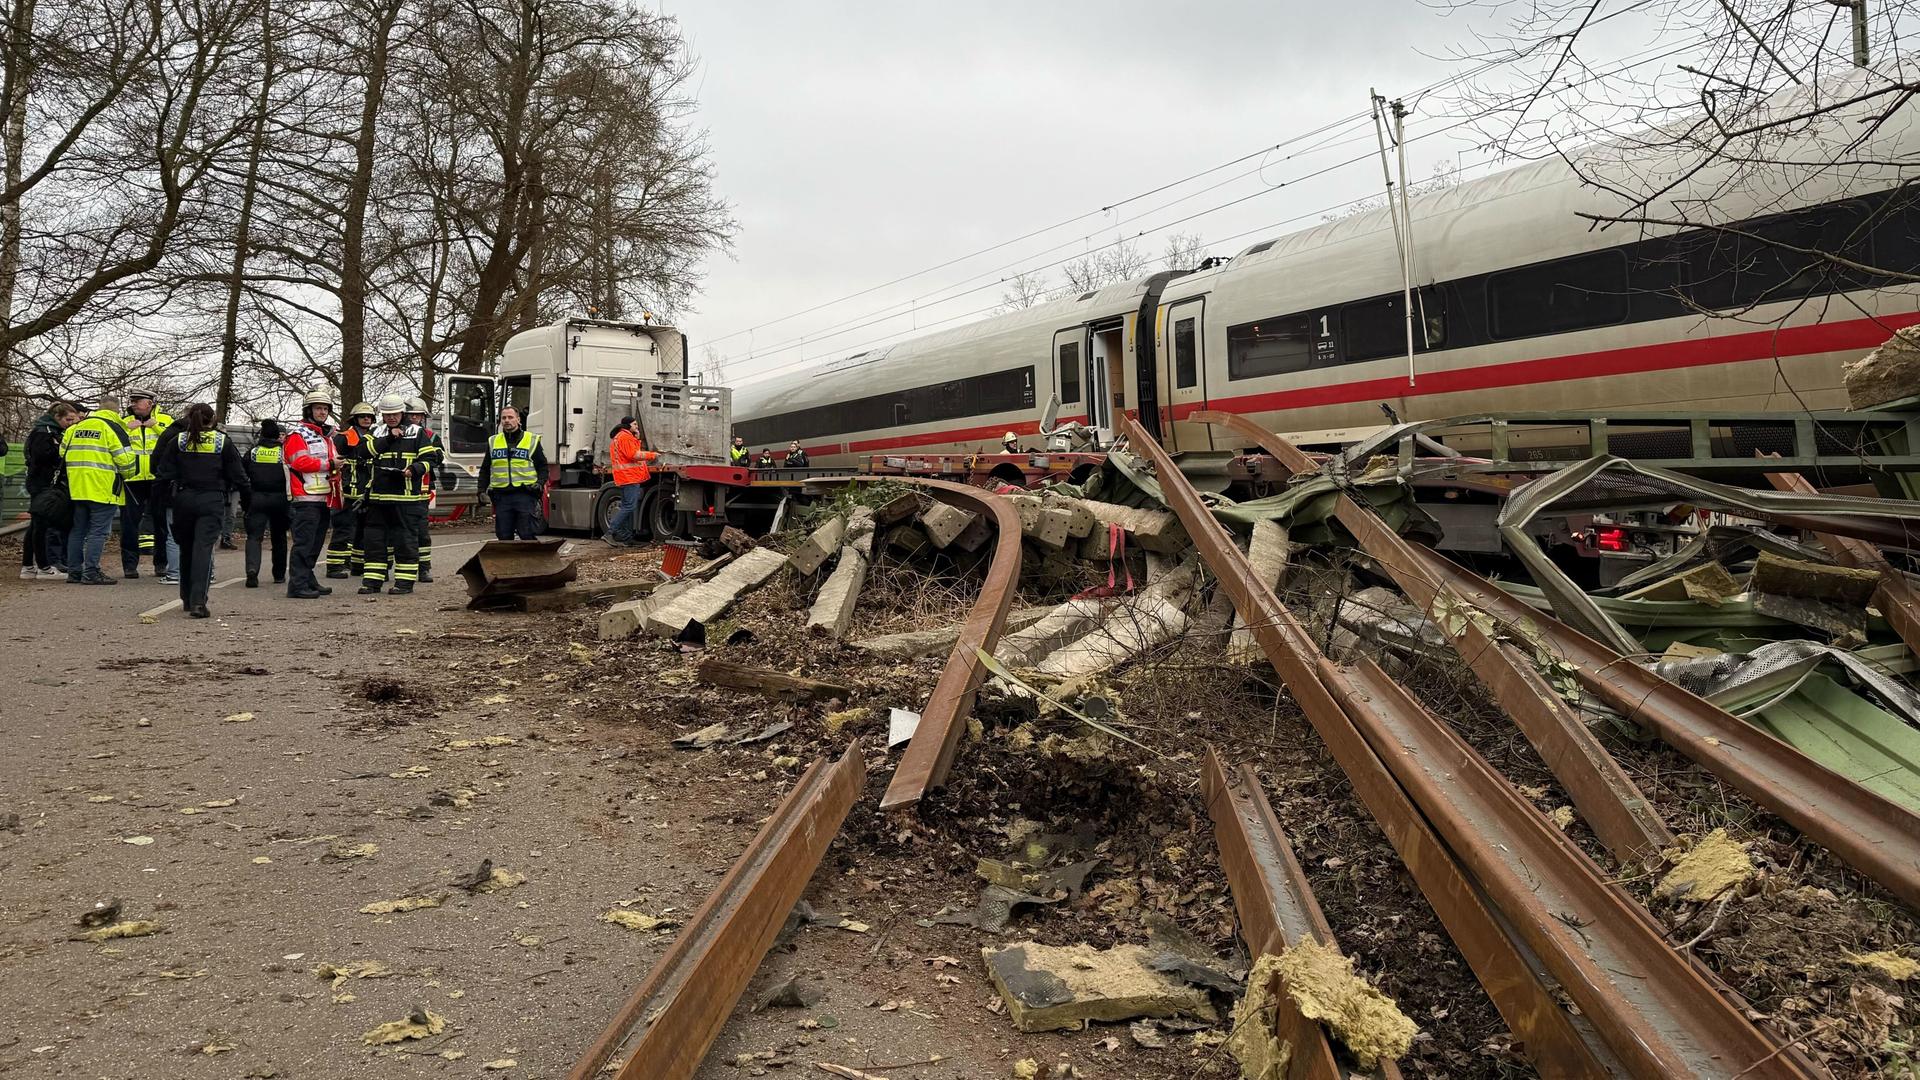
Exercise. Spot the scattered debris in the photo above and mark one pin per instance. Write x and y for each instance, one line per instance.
(129, 928)
(1712, 866)
(705, 737)
(1886, 962)
(788, 993)
(637, 920)
(238, 718)
(994, 909)
(774, 684)
(1049, 987)
(101, 913)
(1255, 1040)
(804, 912)
(418, 1025)
(405, 903)
(1322, 983)
(342, 852)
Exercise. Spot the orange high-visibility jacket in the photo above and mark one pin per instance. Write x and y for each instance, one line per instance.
(630, 457)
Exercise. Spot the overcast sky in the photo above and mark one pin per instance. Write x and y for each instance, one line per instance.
(863, 142)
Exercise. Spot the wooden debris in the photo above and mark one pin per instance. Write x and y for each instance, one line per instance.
(581, 593)
(774, 684)
(704, 602)
(812, 554)
(943, 524)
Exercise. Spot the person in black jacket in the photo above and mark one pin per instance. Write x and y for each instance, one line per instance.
(796, 457)
(203, 465)
(42, 552)
(265, 504)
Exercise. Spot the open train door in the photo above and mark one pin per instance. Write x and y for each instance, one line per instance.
(1069, 371)
(1183, 374)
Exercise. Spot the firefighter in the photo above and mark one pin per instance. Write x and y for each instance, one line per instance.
(630, 474)
(144, 514)
(512, 476)
(353, 446)
(202, 467)
(1010, 443)
(796, 457)
(265, 504)
(399, 473)
(738, 453)
(435, 455)
(99, 457)
(313, 492)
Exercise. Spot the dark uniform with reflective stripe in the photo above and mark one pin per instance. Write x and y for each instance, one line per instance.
(202, 470)
(346, 551)
(434, 454)
(267, 511)
(401, 458)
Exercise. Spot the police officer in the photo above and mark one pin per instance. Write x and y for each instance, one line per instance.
(265, 504)
(313, 490)
(738, 454)
(434, 455)
(144, 514)
(398, 479)
(202, 467)
(354, 446)
(511, 476)
(99, 458)
(796, 457)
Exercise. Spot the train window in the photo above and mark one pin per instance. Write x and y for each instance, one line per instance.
(1273, 346)
(1372, 329)
(1186, 358)
(1070, 373)
(1896, 232)
(1572, 294)
(1760, 264)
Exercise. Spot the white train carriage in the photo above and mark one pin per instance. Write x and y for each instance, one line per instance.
(1521, 304)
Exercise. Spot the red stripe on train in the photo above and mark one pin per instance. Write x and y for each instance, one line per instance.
(1665, 356)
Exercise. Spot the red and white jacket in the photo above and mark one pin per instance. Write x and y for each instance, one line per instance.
(312, 464)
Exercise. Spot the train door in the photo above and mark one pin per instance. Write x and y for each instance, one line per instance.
(1106, 375)
(1183, 374)
(1069, 348)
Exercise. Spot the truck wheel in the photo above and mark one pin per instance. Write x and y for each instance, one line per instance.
(666, 522)
(604, 508)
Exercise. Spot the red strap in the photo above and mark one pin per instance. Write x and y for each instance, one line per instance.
(1116, 551)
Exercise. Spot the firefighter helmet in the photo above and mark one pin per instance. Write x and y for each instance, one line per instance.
(392, 404)
(417, 405)
(362, 409)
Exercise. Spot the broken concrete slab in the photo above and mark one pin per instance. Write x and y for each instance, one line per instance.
(1068, 622)
(912, 643)
(1888, 373)
(815, 550)
(707, 600)
(1155, 615)
(1152, 530)
(1829, 584)
(832, 611)
(974, 536)
(943, 524)
(1052, 988)
(907, 539)
(626, 619)
(1080, 520)
(899, 508)
(1053, 528)
(860, 527)
(1270, 552)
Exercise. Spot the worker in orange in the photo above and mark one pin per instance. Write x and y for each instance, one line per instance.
(630, 474)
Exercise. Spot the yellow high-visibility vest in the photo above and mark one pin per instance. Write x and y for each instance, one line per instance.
(98, 457)
(511, 466)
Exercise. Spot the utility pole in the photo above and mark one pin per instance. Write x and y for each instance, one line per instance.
(1859, 10)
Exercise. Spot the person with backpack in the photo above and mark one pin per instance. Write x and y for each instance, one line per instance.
(99, 458)
(43, 551)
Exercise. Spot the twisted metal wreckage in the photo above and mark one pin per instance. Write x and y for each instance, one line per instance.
(1823, 735)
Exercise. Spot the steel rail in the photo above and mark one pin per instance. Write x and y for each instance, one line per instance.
(1607, 798)
(929, 756)
(1658, 1012)
(1875, 836)
(1895, 596)
(685, 998)
(1554, 1041)
(1276, 904)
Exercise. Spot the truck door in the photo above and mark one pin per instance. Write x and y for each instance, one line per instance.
(471, 414)
(1183, 373)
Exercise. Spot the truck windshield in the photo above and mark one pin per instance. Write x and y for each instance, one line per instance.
(470, 415)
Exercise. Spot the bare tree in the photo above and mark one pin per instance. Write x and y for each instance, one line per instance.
(1105, 266)
(1024, 290)
(1744, 108)
(1185, 251)
(1445, 174)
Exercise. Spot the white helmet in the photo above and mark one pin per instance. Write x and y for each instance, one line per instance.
(316, 396)
(392, 403)
(417, 405)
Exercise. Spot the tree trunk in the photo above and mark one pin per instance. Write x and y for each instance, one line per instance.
(354, 286)
(242, 230)
(13, 144)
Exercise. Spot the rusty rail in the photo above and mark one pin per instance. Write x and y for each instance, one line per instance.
(1276, 905)
(1612, 804)
(929, 756)
(1657, 1012)
(685, 999)
(1895, 597)
(1875, 836)
(1555, 1042)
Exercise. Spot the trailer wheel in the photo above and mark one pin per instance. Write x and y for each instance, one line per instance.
(665, 522)
(604, 508)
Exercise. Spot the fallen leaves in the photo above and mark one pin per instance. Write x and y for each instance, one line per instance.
(404, 903)
(418, 1025)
